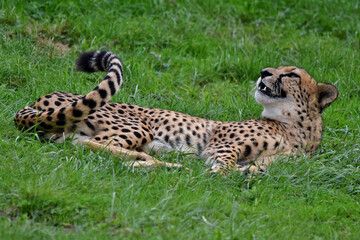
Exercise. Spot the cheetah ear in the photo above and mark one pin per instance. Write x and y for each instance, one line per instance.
(327, 93)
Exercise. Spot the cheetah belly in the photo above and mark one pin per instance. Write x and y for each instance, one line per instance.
(158, 146)
(61, 137)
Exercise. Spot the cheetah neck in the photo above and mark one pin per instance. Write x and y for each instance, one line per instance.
(304, 132)
(277, 114)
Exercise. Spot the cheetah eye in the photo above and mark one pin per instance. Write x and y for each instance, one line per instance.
(292, 75)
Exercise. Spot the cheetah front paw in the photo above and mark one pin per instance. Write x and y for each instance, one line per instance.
(218, 169)
(254, 171)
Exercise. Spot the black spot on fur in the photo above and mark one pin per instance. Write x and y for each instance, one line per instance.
(61, 116)
(265, 145)
(188, 140)
(123, 136)
(99, 60)
(103, 93)
(118, 78)
(247, 151)
(89, 102)
(78, 113)
(112, 87)
(89, 124)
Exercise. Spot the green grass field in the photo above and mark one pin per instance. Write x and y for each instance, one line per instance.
(197, 57)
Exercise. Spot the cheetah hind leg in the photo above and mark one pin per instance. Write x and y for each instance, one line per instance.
(146, 160)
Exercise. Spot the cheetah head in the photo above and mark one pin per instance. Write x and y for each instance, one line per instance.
(290, 93)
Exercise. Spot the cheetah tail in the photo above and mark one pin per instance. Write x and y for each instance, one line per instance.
(91, 102)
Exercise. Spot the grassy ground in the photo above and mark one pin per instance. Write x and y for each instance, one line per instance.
(200, 58)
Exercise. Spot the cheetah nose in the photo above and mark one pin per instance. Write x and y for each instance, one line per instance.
(265, 73)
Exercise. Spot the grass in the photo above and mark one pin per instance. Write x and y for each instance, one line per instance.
(197, 57)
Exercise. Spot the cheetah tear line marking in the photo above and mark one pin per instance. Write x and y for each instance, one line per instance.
(292, 123)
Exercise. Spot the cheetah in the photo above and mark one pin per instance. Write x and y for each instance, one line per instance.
(291, 121)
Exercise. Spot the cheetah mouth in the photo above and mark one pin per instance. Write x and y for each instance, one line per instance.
(271, 92)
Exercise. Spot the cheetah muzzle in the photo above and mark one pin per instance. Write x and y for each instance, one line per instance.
(291, 121)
